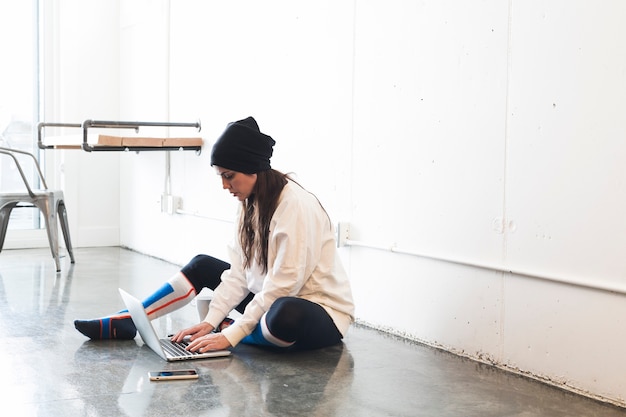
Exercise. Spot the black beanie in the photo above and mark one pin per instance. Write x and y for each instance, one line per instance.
(243, 148)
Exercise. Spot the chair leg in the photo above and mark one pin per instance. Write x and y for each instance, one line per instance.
(49, 213)
(61, 210)
(5, 214)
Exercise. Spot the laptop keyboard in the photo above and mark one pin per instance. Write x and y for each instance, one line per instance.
(177, 349)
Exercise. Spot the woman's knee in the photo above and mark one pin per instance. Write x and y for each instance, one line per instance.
(204, 271)
(285, 313)
(301, 321)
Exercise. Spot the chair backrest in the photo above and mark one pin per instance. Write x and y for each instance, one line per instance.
(11, 153)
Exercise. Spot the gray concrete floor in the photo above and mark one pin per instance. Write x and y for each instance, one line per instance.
(49, 369)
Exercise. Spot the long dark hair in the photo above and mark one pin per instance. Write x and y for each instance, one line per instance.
(257, 212)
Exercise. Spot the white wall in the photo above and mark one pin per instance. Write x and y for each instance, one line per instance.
(219, 73)
(482, 132)
(502, 136)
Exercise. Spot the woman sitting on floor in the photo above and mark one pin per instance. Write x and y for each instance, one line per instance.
(284, 274)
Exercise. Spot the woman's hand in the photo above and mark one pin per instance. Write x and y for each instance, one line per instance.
(212, 341)
(193, 332)
(201, 339)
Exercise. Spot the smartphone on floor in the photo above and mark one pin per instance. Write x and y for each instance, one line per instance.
(173, 374)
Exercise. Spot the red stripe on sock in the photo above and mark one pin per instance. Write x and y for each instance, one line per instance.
(175, 300)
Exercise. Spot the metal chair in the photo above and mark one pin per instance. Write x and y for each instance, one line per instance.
(49, 202)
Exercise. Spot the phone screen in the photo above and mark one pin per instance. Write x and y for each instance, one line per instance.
(174, 374)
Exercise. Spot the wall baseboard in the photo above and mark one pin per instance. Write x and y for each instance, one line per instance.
(26, 239)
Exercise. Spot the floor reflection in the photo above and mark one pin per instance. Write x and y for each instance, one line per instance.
(49, 369)
(251, 382)
(33, 304)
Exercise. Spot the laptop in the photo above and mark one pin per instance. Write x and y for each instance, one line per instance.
(165, 348)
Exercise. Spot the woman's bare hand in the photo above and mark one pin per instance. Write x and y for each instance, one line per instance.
(194, 332)
(212, 341)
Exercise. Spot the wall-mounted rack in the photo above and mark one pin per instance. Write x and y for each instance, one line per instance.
(133, 144)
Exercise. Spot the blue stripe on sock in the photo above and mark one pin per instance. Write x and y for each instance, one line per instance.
(106, 328)
(256, 338)
(165, 290)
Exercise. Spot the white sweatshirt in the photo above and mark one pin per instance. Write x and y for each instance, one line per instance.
(302, 262)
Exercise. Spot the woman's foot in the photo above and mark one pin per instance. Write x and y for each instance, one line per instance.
(112, 327)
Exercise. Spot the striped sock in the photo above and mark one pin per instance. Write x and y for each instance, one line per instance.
(118, 326)
(262, 336)
(171, 296)
(174, 294)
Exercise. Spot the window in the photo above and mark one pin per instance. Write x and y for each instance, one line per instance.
(19, 97)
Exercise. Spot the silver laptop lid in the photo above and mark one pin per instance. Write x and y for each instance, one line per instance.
(142, 322)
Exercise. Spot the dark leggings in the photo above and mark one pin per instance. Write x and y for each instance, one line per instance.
(291, 319)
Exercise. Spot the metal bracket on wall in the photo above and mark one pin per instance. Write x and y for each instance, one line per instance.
(167, 144)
